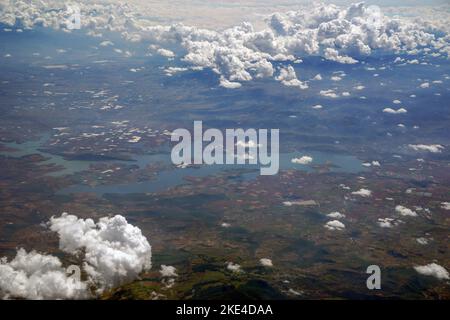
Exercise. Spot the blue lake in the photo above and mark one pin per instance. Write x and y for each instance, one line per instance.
(176, 176)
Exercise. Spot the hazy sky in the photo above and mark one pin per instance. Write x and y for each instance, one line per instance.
(225, 13)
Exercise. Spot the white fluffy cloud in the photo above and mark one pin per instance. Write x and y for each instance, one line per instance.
(241, 53)
(266, 262)
(329, 93)
(434, 270)
(288, 77)
(168, 271)
(229, 84)
(38, 276)
(393, 111)
(405, 211)
(334, 225)
(302, 160)
(386, 222)
(233, 267)
(114, 251)
(363, 192)
(433, 148)
(336, 215)
(422, 241)
(165, 53)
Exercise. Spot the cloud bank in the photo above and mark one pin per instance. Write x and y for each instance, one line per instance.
(239, 54)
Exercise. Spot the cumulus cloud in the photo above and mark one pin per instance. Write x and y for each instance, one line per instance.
(393, 111)
(422, 241)
(240, 53)
(336, 78)
(333, 55)
(362, 192)
(433, 270)
(233, 267)
(106, 43)
(433, 148)
(266, 262)
(38, 276)
(386, 222)
(115, 251)
(168, 271)
(165, 53)
(302, 160)
(288, 77)
(328, 93)
(170, 71)
(229, 84)
(336, 215)
(405, 211)
(334, 225)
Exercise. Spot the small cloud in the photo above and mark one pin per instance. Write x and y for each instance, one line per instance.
(362, 192)
(233, 267)
(229, 84)
(422, 241)
(266, 262)
(170, 71)
(336, 215)
(106, 43)
(334, 225)
(294, 292)
(288, 77)
(433, 270)
(386, 222)
(392, 111)
(302, 160)
(328, 93)
(405, 211)
(168, 271)
(165, 53)
(433, 148)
